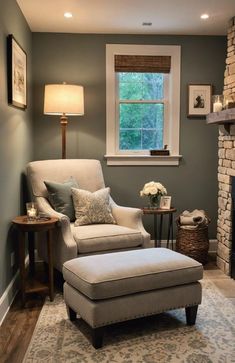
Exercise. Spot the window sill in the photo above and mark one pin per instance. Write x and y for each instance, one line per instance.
(142, 160)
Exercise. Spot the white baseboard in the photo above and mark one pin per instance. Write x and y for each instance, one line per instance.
(8, 296)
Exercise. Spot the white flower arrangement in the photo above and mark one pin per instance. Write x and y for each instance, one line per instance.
(154, 191)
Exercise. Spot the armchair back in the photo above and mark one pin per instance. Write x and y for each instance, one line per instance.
(87, 172)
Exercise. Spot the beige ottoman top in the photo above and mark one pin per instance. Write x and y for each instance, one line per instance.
(123, 273)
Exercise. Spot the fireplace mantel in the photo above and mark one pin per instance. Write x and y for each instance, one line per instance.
(225, 117)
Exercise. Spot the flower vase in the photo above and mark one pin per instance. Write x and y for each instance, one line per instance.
(154, 201)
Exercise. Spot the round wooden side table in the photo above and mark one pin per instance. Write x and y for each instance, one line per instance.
(158, 212)
(26, 229)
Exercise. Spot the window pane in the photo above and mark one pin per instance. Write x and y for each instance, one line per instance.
(141, 126)
(130, 140)
(130, 91)
(152, 139)
(152, 115)
(141, 86)
(130, 115)
(130, 77)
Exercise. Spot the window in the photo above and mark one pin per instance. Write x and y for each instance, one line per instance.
(142, 85)
(140, 110)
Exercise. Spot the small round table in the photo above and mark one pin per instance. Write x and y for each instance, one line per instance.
(158, 212)
(24, 226)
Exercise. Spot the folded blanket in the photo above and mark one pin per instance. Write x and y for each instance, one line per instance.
(193, 218)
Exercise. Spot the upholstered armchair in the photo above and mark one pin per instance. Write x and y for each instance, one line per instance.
(71, 241)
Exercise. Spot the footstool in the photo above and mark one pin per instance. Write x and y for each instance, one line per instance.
(114, 287)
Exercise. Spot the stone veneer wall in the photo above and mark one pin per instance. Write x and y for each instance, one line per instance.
(226, 168)
(229, 75)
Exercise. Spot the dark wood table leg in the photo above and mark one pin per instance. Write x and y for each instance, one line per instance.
(50, 264)
(160, 231)
(171, 229)
(168, 231)
(31, 253)
(155, 230)
(22, 265)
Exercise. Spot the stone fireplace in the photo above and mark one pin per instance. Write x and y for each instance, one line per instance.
(226, 170)
(226, 163)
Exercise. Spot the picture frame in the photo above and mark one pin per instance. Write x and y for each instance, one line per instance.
(165, 202)
(16, 74)
(199, 100)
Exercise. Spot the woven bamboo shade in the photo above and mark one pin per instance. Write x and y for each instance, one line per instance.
(142, 63)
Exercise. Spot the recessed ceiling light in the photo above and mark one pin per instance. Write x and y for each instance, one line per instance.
(68, 15)
(147, 23)
(204, 16)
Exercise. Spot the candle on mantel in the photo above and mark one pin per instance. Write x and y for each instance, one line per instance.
(217, 101)
(217, 106)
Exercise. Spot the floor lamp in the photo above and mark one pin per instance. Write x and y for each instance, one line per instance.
(64, 100)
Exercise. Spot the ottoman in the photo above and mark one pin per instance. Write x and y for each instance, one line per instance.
(113, 287)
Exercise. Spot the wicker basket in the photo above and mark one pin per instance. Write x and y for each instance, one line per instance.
(193, 242)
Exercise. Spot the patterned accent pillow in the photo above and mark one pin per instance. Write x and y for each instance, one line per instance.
(60, 196)
(91, 208)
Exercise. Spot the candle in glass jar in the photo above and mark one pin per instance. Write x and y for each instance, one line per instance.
(32, 212)
(217, 106)
(217, 101)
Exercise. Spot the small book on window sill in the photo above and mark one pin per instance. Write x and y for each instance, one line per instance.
(160, 152)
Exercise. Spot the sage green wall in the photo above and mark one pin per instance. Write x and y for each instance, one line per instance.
(16, 137)
(80, 59)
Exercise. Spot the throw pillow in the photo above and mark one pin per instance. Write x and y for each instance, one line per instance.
(60, 196)
(91, 208)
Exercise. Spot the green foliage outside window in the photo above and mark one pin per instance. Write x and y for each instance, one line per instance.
(141, 124)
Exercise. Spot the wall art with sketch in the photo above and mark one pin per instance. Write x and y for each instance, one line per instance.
(17, 73)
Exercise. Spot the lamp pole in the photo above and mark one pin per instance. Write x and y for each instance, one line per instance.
(63, 123)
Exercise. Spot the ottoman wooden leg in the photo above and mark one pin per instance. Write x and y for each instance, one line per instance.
(97, 337)
(191, 314)
(71, 313)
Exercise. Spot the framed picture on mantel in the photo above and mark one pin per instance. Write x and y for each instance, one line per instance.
(199, 100)
(16, 74)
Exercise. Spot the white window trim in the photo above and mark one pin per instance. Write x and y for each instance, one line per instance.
(174, 110)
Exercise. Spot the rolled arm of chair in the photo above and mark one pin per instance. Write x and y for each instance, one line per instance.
(131, 218)
(45, 207)
(66, 247)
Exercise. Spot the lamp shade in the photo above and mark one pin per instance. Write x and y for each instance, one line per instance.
(62, 99)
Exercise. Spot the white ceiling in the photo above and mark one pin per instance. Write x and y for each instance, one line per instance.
(127, 16)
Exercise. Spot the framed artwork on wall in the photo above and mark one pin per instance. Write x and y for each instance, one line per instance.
(199, 100)
(16, 74)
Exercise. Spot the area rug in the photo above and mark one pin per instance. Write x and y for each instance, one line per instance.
(157, 339)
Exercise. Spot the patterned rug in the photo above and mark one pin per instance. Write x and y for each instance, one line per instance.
(157, 339)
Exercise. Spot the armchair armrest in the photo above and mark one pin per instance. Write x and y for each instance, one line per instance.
(45, 207)
(66, 247)
(131, 218)
(126, 216)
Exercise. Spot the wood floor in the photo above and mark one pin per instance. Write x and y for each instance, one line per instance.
(19, 324)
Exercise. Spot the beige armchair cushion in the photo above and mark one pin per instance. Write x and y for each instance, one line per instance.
(105, 237)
